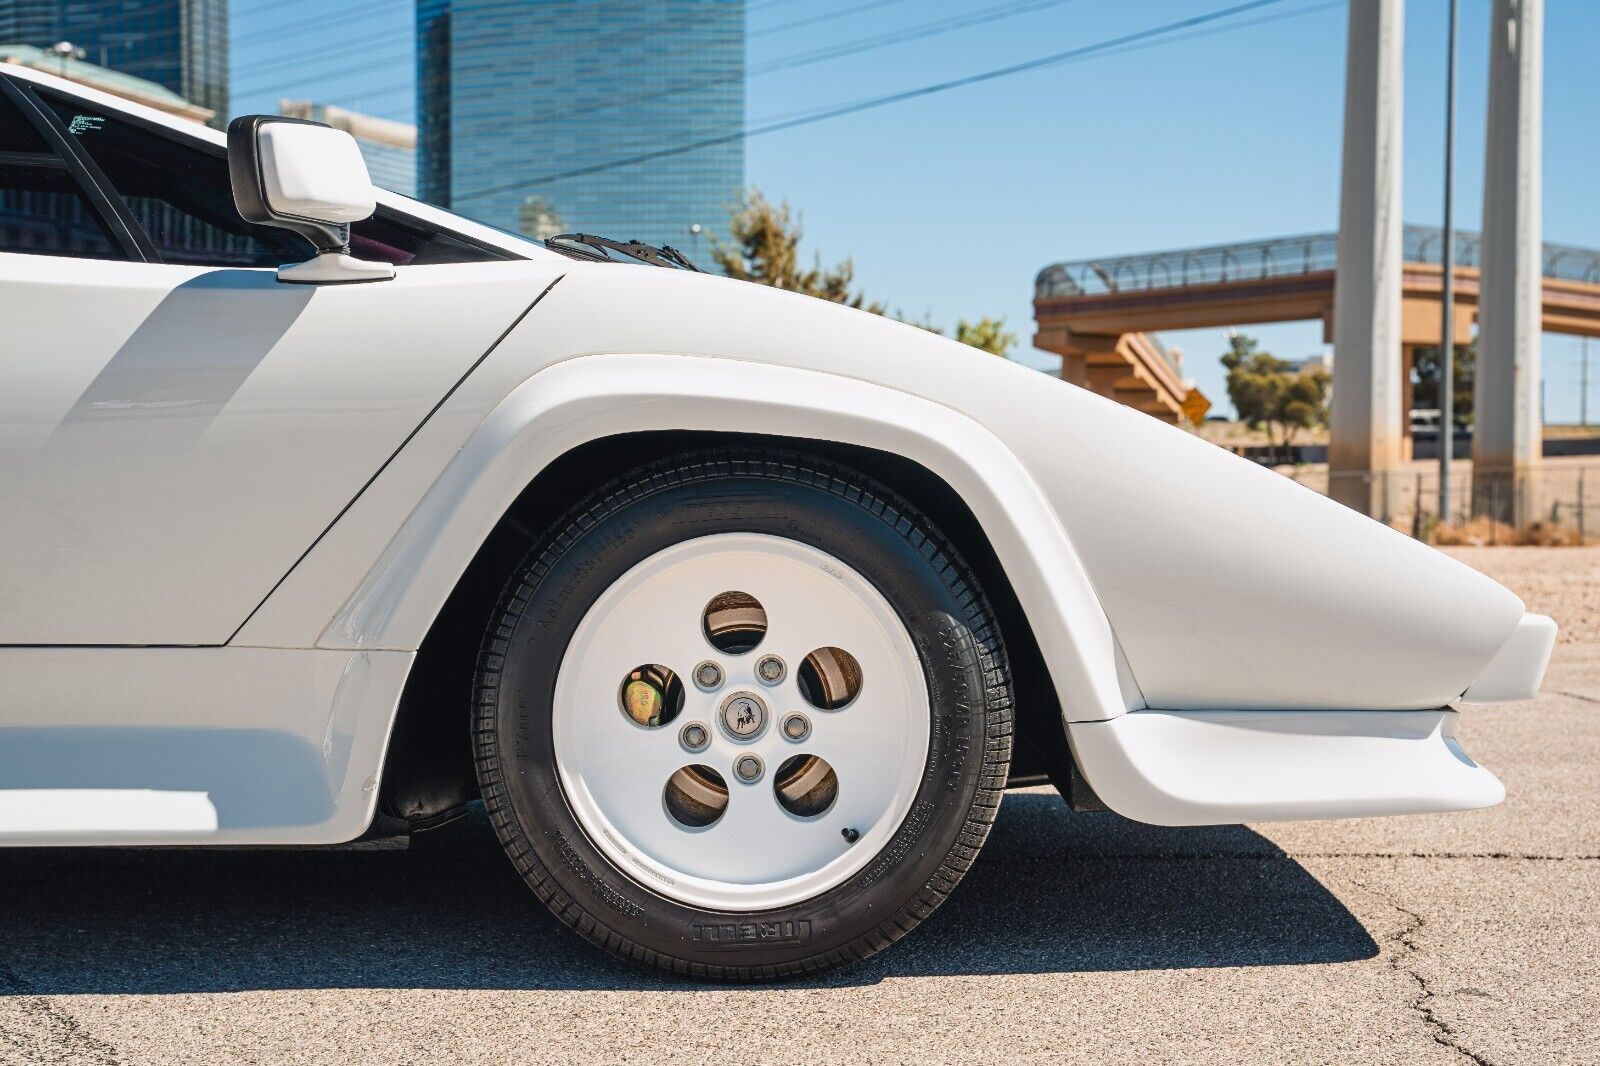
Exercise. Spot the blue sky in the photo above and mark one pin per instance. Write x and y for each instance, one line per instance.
(950, 204)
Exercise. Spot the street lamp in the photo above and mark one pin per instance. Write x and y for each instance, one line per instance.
(1447, 338)
(63, 51)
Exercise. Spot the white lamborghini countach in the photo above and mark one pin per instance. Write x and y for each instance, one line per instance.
(325, 513)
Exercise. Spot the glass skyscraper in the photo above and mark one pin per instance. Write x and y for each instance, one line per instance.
(525, 111)
(181, 44)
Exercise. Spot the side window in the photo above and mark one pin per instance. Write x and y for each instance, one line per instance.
(178, 192)
(42, 211)
(401, 241)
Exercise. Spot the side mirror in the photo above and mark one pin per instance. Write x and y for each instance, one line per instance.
(307, 178)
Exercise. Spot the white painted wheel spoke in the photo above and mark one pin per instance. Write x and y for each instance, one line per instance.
(630, 777)
(757, 854)
(772, 841)
(862, 754)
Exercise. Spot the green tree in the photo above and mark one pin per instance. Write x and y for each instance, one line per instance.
(1272, 394)
(765, 249)
(1427, 368)
(987, 334)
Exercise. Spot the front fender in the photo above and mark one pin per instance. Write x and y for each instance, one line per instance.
(590, 397)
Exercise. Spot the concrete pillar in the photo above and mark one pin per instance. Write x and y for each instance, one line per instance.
(1075, 369)
(1508, 432)
(1365, 431)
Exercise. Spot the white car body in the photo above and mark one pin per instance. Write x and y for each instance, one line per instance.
(232, 510)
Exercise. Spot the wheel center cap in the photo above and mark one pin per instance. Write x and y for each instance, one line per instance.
(744, 715)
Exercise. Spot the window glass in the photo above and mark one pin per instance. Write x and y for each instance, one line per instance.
(181, 194)
(401, 241)
(16, 135)
(43, 213)
(178, 192)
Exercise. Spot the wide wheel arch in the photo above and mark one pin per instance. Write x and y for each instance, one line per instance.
(428, 772)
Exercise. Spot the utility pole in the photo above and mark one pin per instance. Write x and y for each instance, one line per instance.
(1583, 397)
(1447, 335)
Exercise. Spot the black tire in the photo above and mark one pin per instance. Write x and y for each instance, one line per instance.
(828, 507)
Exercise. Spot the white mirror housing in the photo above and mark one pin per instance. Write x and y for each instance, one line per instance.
(314, 172)
(308, 178)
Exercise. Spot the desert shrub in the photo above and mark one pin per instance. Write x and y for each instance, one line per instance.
(1481, 532)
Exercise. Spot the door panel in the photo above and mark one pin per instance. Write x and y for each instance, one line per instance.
(173, 438)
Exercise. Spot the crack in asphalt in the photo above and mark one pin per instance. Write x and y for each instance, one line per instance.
(1442, 1032)
(1405, 942)
(1574, 695)
(47, 1028)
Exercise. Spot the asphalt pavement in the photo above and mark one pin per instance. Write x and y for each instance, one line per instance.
(1079, 937)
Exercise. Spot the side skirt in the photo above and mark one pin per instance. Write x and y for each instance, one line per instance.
(229, 745)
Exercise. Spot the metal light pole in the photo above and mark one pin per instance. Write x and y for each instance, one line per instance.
(1447, 346)
(63, 51)
(1583, 397)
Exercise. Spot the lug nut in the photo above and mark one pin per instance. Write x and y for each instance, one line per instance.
(796, 727)
(747, 767)
(708, 675)
(770, 669)
(695, 736)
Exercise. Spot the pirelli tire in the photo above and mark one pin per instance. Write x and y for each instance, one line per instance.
(742, 716)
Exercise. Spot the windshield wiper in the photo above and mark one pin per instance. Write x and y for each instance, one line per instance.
(590, 246)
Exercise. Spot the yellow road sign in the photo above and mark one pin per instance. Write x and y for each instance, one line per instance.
(1195, 405)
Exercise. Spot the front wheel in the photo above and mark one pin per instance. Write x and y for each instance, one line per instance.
(743, 717)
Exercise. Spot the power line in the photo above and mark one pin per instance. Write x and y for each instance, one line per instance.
(781, 119)
(803, 116)
(636, 29)
(1070, 55)
(322, 25)
(849, 48)
(632, 30)
(274, 32)
(858, 46)
(824, 17)
(391, 59)
(143, 11)
(354, 44)
(270, 5)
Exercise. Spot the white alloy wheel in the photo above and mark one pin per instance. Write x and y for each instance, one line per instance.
(633, 688)
(742, 716)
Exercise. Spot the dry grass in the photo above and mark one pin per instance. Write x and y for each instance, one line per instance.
(1481, 532)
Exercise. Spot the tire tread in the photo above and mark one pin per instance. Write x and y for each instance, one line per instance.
(875, 499)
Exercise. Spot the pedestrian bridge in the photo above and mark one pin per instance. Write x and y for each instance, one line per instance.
(1094, 312)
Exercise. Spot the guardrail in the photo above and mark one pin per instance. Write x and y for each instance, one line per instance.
(1280, 257)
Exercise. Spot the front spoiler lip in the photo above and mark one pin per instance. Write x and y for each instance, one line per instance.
(1517, 669)
(1225, 767)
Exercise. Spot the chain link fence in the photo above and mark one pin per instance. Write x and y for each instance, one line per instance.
(1555, 504)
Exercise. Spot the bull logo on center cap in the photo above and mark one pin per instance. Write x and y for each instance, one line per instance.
(743, 715)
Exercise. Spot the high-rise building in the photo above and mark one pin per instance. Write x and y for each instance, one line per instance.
(181, 44)
(527, 114)
(389, 147)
